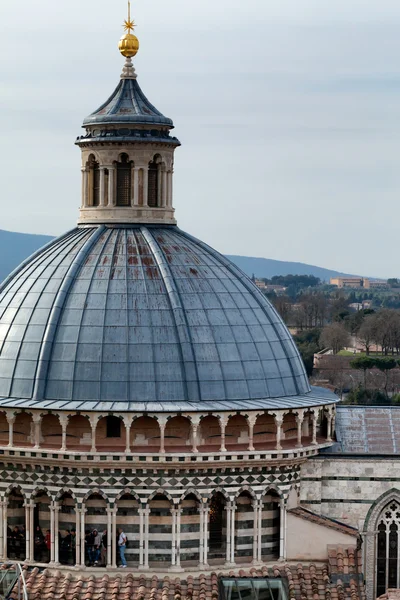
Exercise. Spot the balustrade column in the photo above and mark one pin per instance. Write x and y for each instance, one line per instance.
(314, 428)
(109, 537)
(52, 533)
(36, 423)
(93, 425)
(64, 424)
(282, 530)
(251, 421)
(141, 540)
(328, 429)
(83, 557)
(255, 530)
(77, 557)
(11, 421)
(223, 423)
(114, 538)
(233, 511)
(299, 420)
(4, 547)
(146, 537)
(279, 422)
(111, 186)
(228, 509)
(56, 538)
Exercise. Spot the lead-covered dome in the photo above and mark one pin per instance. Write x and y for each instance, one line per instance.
(142, 318)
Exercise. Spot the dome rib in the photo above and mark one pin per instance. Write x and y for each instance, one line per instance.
(255, 292)
(178, 312)
(56, 311)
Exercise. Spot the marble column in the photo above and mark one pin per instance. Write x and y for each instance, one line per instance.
(11, 420)
(162, 425)
(37, 418)
(111, 186)
(85, 187)
(206, 517)
(255, 530)
(109, 537)
(145, 185)
(282, 530)
(52, 533)
(233, 511)
(128, 425)
(77, 556)
(228, 509)
(223, 423)
(259, 537)
(83, 557)
(114, 538)
(56, 537)
(251, 421)
(64, 424)
(195, 425)
(31, 531)
(170, 190)
(27, 531)
(314, 417)
(173, 544)
(93, 425)
(136, 186)
(141, 536)
(146, 537)
(278, 421)
(164, 189)
(329, 426)
(299, 421)
(178, 537)
(201, 540)
(3, 529)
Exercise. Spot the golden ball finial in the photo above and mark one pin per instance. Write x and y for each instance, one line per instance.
(129, 44)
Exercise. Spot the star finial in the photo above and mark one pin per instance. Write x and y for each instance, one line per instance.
(129, 24)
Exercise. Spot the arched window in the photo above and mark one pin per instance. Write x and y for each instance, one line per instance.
(153, 193)
(124, 181)
(387, 550)
(94, 181)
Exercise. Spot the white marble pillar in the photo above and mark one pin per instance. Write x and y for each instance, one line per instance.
(93, 425)
(56, 537)
(259, 538)
(77, 557)
(37, 419)
(109, 536)
(135, 174)
(314, 418)
(114, 538)
(159, 185)
(299, 421)
(31, 531)
(251, 421)
(85, 187)
(233, 512)
(83, 557)
(206, 517)
(141, 536)
(64, 425)
(162, 425)
(178, 537)
(333, 424)
(111, 186)
(2, 520)
(128, 424)
(173, 544)
(170, 192)
(282, 529)
(27, 531)
(329, 426)
(255, 530)
(201, 540)
(228, 509)
(223, 423)
(278, 421)
(52, 533)
(11, 421)
(146, 537)
(195, 425)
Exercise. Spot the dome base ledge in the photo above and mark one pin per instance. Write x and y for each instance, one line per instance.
(135, 215)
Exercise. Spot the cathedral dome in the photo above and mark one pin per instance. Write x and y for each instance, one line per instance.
(143, 318)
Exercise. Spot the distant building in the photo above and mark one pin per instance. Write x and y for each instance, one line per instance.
(358, 282)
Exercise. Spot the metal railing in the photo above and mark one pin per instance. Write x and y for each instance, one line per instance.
(11, 577)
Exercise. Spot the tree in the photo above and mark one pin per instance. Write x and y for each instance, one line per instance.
(363, 363)
(385, 365)
(368, 333)
(334, 336)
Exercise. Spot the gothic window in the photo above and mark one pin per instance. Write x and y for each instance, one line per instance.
(94, 181)
(387, 549)
(124, 181)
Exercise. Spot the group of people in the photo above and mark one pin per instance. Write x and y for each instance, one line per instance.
(96, 547)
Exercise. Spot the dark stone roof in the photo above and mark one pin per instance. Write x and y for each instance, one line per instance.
(367, 430)
(127, 106)
(143, 319)
(311, 517)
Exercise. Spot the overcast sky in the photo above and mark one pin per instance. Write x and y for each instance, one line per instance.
(288, 112)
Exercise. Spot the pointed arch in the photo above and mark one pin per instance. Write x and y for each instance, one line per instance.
(193, 492)
(128, 492)
(161, 492)
(245, 489)
(62, 493)
(96, 492)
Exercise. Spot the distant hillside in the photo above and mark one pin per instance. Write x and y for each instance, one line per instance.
(267, 268)
(15, 247)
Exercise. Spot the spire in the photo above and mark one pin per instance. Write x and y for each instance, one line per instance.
(129, 46)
